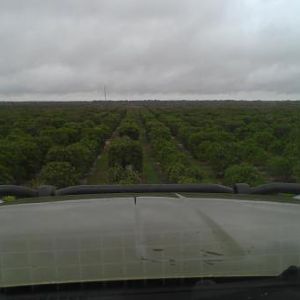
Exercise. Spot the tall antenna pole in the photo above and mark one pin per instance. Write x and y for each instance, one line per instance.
(105, 95)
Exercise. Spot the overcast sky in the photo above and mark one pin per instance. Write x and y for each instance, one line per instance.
(149, 49)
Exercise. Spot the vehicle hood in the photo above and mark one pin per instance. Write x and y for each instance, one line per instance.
(145, 237)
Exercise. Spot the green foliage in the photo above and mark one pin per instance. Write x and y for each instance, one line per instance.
(38, 134)
(280, 168)
(277, 147)
(175, 171)
(44, 143)
(130, 130)
(195, 173)
(296, 172)
(224, 134)
(78, 155)
(209, 135)
(221, 156)
(58, 153)
(9, 198)
(59, 174)
(130, 177)
(61, 136)
(5, 176)
(187, 180)
(219, 135)
(156, 131)
(243, 173)
(201, 151)
(98, 134)
(252, 153)
(264, 139)
(292, 151)
(82, 157)
(124, 152)
(20, 157)
(117, 174)
(173, 161)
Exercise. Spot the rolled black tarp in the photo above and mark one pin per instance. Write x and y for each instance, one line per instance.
(277, 187)
(144, 188)
(18, 191)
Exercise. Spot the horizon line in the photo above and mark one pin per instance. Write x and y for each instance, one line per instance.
(161, 100)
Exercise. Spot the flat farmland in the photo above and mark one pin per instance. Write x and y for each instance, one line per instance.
(225, 142)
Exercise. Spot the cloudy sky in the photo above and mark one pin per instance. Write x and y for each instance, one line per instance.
(149, 49)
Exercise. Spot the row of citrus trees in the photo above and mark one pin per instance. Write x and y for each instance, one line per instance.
(52, 146)
(125, 154)
(174, 163)
(244, 144)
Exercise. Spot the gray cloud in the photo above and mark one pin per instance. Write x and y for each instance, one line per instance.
(171, 49)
